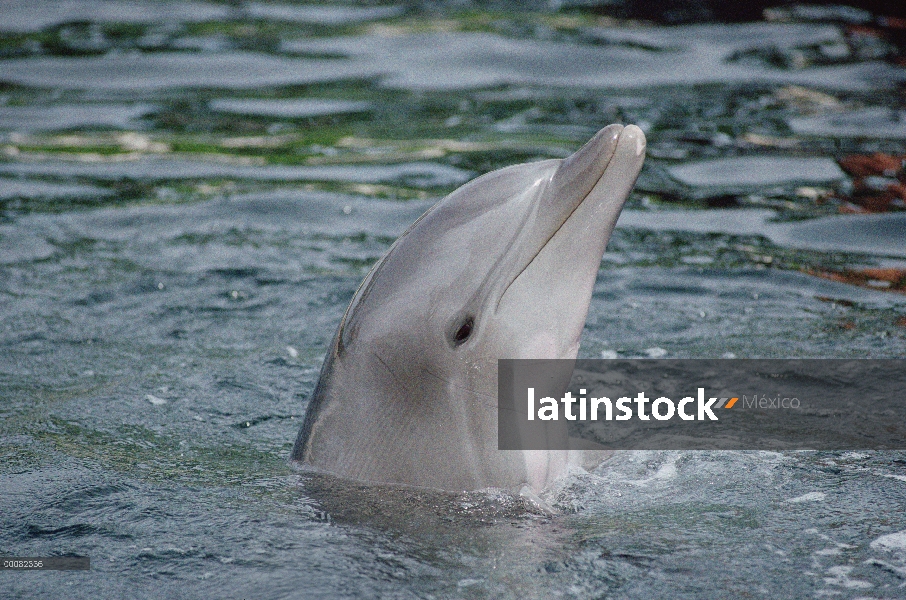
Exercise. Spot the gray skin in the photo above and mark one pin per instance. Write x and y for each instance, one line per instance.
(501, 268)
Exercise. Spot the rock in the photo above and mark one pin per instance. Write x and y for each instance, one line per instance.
(879, 182)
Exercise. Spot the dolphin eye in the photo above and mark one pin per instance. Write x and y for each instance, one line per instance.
(464, 331)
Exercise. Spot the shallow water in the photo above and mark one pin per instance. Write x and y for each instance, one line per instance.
(190, 193)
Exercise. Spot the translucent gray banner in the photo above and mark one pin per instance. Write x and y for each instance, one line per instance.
(732, 404)
(45, 563)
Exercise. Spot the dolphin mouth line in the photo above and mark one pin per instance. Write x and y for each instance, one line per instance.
(559, 227)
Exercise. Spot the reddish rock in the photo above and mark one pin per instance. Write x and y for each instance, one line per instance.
(885, 280)
(862, 165)
(874, 195)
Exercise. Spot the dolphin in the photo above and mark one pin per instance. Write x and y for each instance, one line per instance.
(503, 267)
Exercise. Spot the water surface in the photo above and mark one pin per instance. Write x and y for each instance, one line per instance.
(191, 192)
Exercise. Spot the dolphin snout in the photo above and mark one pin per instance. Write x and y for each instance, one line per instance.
(612, 186)
(633, 137)
(615, 153)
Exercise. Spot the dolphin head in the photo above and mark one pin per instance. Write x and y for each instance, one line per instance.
(501, 268)
(504, 266)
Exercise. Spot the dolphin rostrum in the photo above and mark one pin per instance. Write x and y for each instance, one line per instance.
(501, 268)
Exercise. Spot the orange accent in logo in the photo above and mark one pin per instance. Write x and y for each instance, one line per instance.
(731, 402)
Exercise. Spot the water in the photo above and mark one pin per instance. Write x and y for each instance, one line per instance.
(191, 192)
(883, 122)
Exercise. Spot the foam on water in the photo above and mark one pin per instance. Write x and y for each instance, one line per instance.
(809, 497)
(893, 541)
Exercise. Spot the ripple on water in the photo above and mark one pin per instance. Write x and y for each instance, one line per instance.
(419, 174)
(877, 123)
(741, 175)
(292, 108)
(882, 234)
(135, 72)
(30, 188)
(690, 55)
(326, 15)
(32, 16)
(70, 116)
